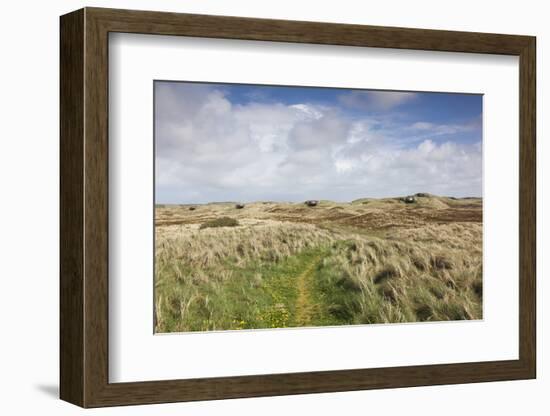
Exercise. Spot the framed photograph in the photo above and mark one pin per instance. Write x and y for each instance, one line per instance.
(255, 207)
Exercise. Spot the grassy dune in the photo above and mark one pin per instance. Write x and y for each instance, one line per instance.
(274, 265)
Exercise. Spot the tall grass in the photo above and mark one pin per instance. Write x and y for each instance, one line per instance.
(245, 276)
(433, 276)
(230, 278)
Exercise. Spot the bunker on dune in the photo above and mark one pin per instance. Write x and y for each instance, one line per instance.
(409, 199)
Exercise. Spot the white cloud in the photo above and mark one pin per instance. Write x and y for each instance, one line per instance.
(433, 129)
(308, 111)
(376, 100)
(422, 125)
(209, 149)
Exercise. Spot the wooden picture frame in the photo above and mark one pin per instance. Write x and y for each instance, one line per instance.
(84, 207)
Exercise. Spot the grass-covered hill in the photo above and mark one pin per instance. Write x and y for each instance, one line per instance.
(273, 265)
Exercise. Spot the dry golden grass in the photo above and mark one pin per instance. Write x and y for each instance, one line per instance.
(210, 247)
(368, 261)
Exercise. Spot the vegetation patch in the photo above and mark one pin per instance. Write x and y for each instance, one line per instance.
(220, 222)
(275, 265)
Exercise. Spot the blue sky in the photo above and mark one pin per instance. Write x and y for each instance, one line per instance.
(428, 106)
(234, 142)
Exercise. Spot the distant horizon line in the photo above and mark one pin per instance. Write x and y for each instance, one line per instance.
(429, 195)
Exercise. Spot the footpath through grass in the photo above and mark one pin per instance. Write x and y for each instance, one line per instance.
(288, 295)
(353, 281)
(258, 295)
(306, 307)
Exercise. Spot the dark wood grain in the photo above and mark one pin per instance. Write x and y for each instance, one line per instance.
(71, 185)
(226, 27)
(84, 207)
(527, 207)
(96, 219)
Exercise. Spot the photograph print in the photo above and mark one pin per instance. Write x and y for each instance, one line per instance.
(292, 206)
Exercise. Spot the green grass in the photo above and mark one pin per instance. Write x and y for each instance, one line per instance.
(275, 274)
(220, 222)
(258, 295)
(264, 293)
(423, 286)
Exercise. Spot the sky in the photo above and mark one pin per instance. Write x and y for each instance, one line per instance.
(236, 142)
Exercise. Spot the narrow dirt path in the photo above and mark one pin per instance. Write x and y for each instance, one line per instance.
(305, 307)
